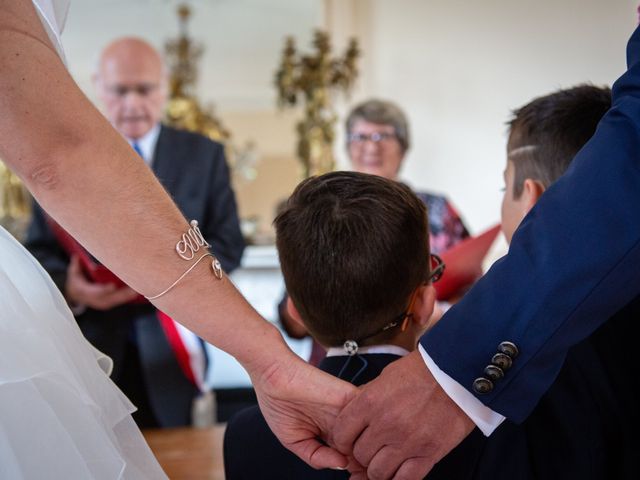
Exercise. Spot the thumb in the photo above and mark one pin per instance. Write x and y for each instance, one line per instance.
(74, 264)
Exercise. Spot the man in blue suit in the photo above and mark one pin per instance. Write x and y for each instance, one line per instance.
(573, 263)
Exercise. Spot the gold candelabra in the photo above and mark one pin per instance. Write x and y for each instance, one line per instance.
(15, 203)
(313, 78)
(183, 109)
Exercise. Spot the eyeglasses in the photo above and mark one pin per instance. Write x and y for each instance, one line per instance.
(437, 268)
(361, 138)
(142, 89)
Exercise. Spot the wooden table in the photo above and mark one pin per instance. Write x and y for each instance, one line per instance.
(189, 453)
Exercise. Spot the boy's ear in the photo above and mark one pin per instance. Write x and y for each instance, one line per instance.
(293, 312)
(423, 306)
(532, 191)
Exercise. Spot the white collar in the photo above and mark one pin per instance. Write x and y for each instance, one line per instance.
(392, 349)
(147, 143)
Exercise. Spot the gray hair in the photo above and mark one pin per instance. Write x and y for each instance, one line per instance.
(383, 113)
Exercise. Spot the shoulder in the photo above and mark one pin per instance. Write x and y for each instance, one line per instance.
(251, 450)
(248, 436)
(175, 135)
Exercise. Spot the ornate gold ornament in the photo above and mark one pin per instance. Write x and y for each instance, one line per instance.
(313, 78)
(183, 109)
(15, 203)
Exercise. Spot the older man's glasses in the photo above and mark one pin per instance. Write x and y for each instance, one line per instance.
(361, 138)
(142, 89)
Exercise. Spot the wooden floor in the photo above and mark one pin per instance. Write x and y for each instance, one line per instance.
(189, 453)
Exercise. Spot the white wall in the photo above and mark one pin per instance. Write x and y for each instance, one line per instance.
(457, 67)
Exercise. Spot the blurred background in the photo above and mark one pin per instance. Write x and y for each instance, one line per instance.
(457, 68)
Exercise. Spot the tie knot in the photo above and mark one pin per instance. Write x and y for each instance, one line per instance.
(137, 148)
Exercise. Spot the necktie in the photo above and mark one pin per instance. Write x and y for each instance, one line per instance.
(136, 147)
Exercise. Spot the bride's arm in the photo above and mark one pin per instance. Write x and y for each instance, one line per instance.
(88, 178)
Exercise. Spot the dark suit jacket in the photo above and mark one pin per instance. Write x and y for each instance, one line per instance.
(580, 430)
(572, 264)
(193, 170)
(251, 451)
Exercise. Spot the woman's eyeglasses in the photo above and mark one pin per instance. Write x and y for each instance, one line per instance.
(361, 138)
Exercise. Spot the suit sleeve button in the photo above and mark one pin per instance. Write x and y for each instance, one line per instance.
(493, 373)
(508, 348)
(501, 360)
(482, 385)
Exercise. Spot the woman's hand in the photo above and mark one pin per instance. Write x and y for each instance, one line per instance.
(300, 404)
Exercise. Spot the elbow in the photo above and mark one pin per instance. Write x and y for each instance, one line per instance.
(42, 176)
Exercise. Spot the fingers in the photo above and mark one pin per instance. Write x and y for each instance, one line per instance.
(350, 424)
(98, 296)
(384, 464)
(414, 468)
(358, 476)
(320, 456)
(74, 266)
(367, 446)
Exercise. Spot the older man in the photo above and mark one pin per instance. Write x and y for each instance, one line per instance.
(132, 85)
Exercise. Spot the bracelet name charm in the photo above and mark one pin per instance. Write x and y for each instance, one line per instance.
(186, 248)
(191, 242)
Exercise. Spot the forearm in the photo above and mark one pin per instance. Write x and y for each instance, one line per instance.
(90, 181)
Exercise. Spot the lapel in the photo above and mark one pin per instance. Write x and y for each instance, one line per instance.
(167, 156)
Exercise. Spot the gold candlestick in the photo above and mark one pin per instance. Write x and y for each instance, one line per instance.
(314, 78)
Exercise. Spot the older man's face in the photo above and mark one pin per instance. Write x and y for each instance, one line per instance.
(132, 85)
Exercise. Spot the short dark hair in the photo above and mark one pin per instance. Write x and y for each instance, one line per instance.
(546, 133)
(382, 112)
(353, 247)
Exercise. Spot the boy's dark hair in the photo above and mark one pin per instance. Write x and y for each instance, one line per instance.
(546, 133)
(352, 248)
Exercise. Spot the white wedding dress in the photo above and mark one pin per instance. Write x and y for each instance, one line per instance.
(61, 417)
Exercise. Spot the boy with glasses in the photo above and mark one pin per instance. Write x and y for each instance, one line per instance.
(354, 251)
(579, 429)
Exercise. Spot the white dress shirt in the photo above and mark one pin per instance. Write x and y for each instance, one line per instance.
(147, 143)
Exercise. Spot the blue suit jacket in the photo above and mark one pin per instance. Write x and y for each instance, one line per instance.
(572, 264)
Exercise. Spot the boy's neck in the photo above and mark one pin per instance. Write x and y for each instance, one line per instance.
(370, 349)
(404, 340)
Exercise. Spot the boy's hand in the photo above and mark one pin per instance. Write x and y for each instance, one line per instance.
(401, 423)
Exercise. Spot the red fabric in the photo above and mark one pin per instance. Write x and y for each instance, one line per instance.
(179, 350)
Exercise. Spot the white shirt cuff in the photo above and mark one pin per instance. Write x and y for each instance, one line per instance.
(485, 419)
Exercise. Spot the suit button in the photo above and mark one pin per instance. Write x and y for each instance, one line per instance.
(501, 360)
(508, 348)
(482, 385)
(493, 373)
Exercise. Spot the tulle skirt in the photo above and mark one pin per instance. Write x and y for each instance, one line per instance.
(61, 417)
